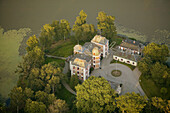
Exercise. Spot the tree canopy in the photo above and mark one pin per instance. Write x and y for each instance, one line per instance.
(82, 30)
(95, 95)
(106, 25)
(35, 107)
(156, 52)
(31, 43)
(131, 102)
(58, 106)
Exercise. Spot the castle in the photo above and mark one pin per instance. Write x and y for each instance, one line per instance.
(87, 56)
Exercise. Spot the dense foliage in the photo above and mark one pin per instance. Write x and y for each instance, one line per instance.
(153, 65)
(106, 25)
(95, 95)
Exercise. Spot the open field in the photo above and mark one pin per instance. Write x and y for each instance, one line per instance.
(9, 58)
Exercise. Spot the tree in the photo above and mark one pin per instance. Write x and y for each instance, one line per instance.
(156, 52)
(47, 88)
(159, 73)
(65, 28)
(106, 25)
(31, 43)
(57, 30)
(54, 82)
(46, 36)
(33, 59)
(77, 27)
(34, 107)
(131, 102)
(74, 81)
(144, 66)
(37, 84)
(28, 93)
(161, 104)
(58, 106)
(163, 91)
(95, 95)
(17, 98)
(47, 99)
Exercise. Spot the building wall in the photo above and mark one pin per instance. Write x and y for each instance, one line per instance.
(124, 60)
(81, 70)
(96, 61)
(104, 49)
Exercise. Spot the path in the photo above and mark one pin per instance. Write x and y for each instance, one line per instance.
(51, 56)
(65, 70)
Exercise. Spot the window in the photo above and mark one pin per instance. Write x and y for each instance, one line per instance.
(81, 73)
(94, 62)
(115, 57)
(82, 78)
(77, 72)
(93, 65)
(93, 58)
(128, 61)
(77, 68)
(73, 67)
(121, 59)
(73, 71)
(133, 62)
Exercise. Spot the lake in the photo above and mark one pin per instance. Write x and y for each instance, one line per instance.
(142, 17)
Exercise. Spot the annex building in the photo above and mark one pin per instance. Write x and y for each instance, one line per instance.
(87, 56)
(129, 51)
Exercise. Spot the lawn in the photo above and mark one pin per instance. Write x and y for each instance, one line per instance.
(61, 62)
(130, 66)
(64, 94)
(62, 48)
(118, 40)
(150, 88)
(9, 58)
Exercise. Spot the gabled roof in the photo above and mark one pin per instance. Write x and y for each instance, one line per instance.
(81, 60)
(133, 42)
(88, 46)
(99, 39)
(127, 56)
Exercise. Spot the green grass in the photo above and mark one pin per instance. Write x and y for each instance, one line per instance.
(130, 66)
(62, 48)
(9, 58)
(61, 62)
(118, 40)
(151, 89)
(65, 95)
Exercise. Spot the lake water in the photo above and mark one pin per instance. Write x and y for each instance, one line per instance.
(140, 16)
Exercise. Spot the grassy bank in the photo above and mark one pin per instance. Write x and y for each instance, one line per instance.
(9, 58)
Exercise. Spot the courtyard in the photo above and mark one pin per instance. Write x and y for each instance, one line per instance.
(129, 78)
